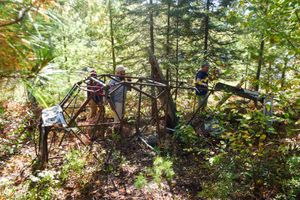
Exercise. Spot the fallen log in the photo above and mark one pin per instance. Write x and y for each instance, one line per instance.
(226, 96)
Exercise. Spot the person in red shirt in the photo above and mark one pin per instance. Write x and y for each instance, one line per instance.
(96, 93)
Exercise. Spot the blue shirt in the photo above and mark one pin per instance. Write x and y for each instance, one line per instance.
(203, 76)
(118, 95)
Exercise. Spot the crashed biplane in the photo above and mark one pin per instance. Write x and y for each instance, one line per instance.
(69, 116)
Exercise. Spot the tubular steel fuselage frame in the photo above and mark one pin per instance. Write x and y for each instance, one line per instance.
(71, 113)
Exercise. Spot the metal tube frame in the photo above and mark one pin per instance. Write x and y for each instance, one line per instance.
(138, 84)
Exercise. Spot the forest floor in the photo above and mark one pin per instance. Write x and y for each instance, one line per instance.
(116, 167)
(109, 171)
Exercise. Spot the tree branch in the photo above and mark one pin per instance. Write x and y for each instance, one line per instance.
(20, 17)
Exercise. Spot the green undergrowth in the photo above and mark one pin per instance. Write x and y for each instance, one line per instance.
(255, 157)
(162, 170)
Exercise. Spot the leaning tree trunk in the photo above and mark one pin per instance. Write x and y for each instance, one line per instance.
(171, 108)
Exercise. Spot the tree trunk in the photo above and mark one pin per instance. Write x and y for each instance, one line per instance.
(168, 39)
(206, 30)
(65, 48)
(65, 57)
(261, 53)
(158, 76)
(246, 76)
(112, 38)
(152, 50)
(177, 49)
(283, 73)
(269, 77)
(151, 28)
(260, 63)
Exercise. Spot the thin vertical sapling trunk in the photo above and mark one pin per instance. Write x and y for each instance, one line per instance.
(177, 49)
(152, 50)
(260, 63)
(206, 30)
(283, 73)
(112, 38)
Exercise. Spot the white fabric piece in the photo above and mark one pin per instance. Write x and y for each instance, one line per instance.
(53, 116)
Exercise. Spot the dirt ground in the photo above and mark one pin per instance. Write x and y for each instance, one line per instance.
(104, 176)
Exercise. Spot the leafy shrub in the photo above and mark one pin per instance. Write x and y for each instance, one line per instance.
(74, 163)
(185, 134)
(252, 163)
(42, 186)
(291, 184)
(140, 181)
(162, 169)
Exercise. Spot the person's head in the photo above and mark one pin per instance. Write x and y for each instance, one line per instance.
(205, 67)
(93, 73)
(120, 70)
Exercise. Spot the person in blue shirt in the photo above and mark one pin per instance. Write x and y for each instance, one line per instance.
(201, 84)
(118, 97)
